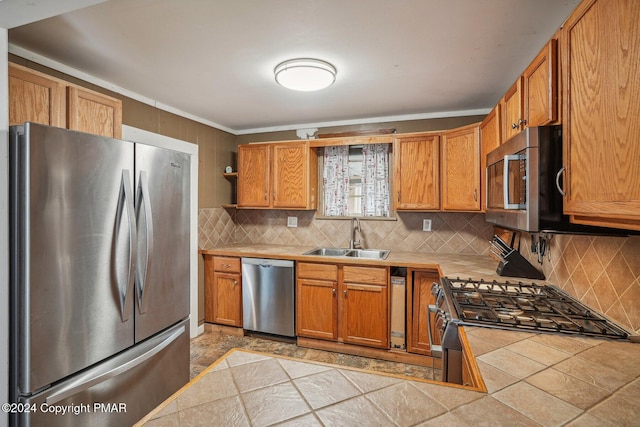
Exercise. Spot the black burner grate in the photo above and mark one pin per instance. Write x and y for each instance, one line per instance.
(525, 306)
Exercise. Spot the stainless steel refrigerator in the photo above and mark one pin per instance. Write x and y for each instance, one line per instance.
(99, 270)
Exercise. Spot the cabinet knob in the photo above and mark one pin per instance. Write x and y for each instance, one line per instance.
(334, 291)
(522, 122)
(514, 125)
(235, 282)
(345, 292)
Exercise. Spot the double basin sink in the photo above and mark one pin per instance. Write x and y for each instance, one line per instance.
(351, 253)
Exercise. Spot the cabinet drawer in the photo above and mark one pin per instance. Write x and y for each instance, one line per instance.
(373, 275)
(309, 270)
(229, 264)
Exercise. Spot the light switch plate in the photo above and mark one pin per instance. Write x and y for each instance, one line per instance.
(426, 225)
(292, 221)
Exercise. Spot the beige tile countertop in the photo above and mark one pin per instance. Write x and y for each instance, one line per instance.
(532, 379)
(450, 265)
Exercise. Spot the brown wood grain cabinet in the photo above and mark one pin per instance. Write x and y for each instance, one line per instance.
(540, 96)
(278, 176)
(512, 117)
(601, 85)
(35, 97)
(343, 303)
(223, 290)
(39, 98)
(419, 299)
(417, 172)
(533, 99)
(93, 112)
(317, 300)
(460, 149)
(490, 139)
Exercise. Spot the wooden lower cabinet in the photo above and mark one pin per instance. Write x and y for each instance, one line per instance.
(349, 304)
(223, 290)
(419, 298)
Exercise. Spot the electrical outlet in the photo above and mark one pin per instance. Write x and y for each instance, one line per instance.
(292, 221)
(426, 225)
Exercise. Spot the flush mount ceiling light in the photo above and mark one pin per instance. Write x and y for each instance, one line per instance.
(305, 74)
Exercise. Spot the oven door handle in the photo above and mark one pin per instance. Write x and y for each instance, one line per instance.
(436, 350)
(505, 183)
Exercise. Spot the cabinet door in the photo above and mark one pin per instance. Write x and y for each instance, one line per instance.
(290, 175)
(601, 131)
(540, 87)
(227, 299)
(417, 172)
(418, 336)
(490, 139)
(512, 110)
(253, 176)
(93, 112)
(35, 97)
(317, 309)
(365, 315)
(461, 169)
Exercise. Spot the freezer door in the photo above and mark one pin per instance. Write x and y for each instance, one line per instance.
(71, 257)
(120, 391)
(162, 209)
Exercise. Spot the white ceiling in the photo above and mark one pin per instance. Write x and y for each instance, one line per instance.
(214, 59)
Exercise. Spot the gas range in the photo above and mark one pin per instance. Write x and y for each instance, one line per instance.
(524, 306)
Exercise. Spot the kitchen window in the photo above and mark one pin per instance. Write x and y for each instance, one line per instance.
(355, 181)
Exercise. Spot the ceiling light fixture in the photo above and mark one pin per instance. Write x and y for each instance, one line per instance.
(305, 74)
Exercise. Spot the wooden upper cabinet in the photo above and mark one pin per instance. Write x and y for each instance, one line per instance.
(279, 176)
(601, 85)
(417, 172)
(254, 175)
(533, 99)
(460, 150)
(35, 97)
(490, 139)
(93, 112)
(291, 171)
(512, 118)
(39, 98)
(541, 87)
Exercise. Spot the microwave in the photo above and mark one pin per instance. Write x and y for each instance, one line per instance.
(524, 192)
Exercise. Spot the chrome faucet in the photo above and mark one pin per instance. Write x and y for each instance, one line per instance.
(353, 243)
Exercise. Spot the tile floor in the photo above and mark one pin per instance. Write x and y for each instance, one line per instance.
(257, 389)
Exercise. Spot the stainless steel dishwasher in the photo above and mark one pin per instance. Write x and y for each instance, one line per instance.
(268, 296)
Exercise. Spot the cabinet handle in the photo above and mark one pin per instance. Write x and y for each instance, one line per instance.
(522, 122)
(475, 195)
(235, 282)
(226, 265)
(398, 196)
(514, 125)
(334, 291)
(345, 292)
(559, 174)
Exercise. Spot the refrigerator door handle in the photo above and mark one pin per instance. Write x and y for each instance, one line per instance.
(142, 200)
(125, 201)
(90, 378)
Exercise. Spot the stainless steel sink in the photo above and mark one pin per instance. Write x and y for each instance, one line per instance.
(369, 253)
(352, 253)
(328, 252)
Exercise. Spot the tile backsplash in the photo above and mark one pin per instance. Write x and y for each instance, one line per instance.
(603, 272)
